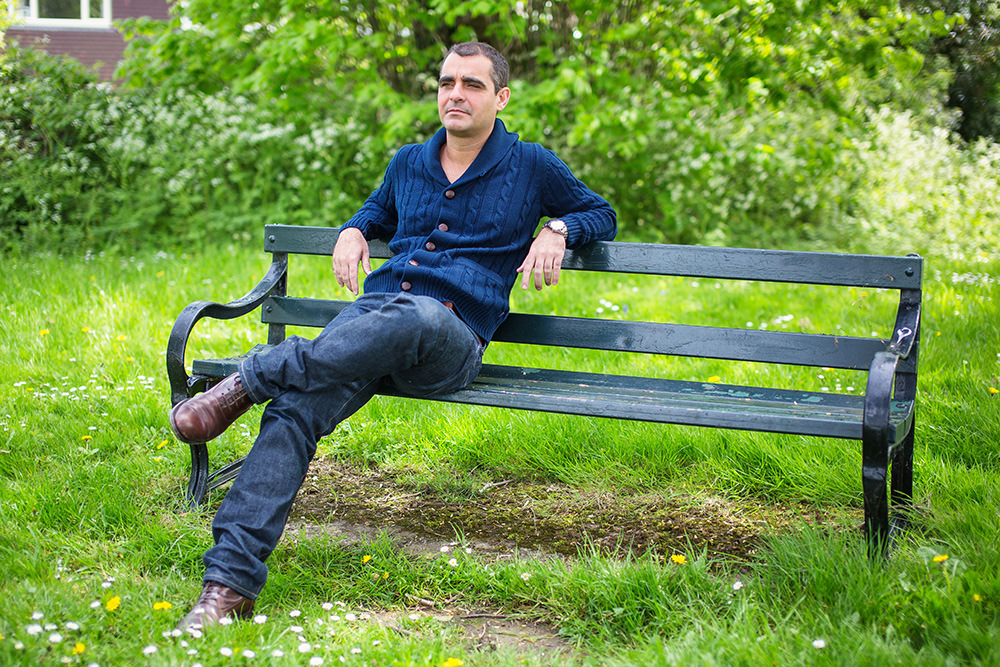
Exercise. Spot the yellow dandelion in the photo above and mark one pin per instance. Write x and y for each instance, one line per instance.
(79, 648)
(452, 662)
(940, 558)
(365, 558)
(85, 329)
(160, 274)
(87, 437)
(113, 603)
(680, 559)
(162, 605)
(120, 337)
(162, 445)
(44, 332)
(385, 575)
(977, 597)
(714, 379)
(994, 390)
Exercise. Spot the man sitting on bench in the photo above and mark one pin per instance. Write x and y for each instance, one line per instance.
(460, 211)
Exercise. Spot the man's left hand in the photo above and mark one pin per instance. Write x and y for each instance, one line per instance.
(544, 258)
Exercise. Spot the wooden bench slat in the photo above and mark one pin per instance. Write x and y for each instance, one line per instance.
(649, 399)
(873, 271)
(684, 340)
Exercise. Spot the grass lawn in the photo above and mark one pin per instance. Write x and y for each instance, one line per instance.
(100, 557)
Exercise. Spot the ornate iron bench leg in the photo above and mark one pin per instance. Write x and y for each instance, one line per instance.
(198, 483)
(902, 482)
(876, 509)
(225, 474)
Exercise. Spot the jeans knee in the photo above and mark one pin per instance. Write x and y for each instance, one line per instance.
(424, 313)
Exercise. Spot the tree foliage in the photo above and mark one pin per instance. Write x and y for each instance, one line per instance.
(693, 117)
(972, 49)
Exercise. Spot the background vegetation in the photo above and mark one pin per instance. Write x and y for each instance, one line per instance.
(753, 123)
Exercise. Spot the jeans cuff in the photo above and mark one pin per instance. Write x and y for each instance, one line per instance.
(249, 380)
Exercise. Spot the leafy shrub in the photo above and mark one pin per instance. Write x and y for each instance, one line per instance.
(52, 133)
(80, 163)
(925, 192)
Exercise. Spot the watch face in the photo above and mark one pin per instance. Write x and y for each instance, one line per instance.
(557, 226)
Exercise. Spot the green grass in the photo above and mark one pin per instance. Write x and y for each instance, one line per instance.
(91, 488)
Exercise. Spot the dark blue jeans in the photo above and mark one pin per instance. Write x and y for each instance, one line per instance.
(312, 386)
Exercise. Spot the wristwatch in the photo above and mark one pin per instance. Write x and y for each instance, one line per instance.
(559, 227)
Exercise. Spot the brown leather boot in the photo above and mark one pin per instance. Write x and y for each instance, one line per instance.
(215, 603)
(208, 415)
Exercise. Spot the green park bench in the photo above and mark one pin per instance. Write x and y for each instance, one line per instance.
(882, 419)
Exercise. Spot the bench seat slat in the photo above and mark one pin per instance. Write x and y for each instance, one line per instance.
(652, 399)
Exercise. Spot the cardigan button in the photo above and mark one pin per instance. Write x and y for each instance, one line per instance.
(442, 227)
(406, 286)
(449, 194)
(429, 246)
(413, 262)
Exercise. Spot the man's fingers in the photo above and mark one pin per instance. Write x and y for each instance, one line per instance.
(350, 251)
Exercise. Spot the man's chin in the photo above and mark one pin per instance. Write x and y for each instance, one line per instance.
(458, 127)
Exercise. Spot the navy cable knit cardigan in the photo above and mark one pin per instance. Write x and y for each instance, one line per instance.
(462, 242)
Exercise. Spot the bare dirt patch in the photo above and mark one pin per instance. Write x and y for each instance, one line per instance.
(536, 520)
(485, 631)
(498, 519)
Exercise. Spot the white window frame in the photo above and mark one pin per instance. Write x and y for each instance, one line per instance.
(31, 18)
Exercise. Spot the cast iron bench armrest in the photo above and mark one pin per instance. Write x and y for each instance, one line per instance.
(272, 281)
(877, 449)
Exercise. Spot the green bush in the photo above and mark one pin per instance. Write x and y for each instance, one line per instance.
(925, 192)
(53, 168)
(84, 164)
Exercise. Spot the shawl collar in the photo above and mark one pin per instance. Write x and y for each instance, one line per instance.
(496, 147)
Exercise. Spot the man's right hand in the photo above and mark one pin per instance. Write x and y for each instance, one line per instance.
(351, 249)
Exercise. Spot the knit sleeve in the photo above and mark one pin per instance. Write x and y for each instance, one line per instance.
(587, 215)
(377, 217)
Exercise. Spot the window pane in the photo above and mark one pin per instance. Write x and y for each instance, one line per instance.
(59, 9)
(22, 8)
(96, 9)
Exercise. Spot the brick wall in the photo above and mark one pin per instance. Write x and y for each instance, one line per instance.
(154, 9)
(91, 46)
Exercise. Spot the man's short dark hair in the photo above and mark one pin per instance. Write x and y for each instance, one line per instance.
(500, 70)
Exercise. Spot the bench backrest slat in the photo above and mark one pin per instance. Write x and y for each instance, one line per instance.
(643, 337)
(873, 271)
(804, 349)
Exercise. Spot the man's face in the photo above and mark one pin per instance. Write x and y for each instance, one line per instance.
(467, 102)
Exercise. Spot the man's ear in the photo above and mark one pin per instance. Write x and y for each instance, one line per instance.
(503, 97)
